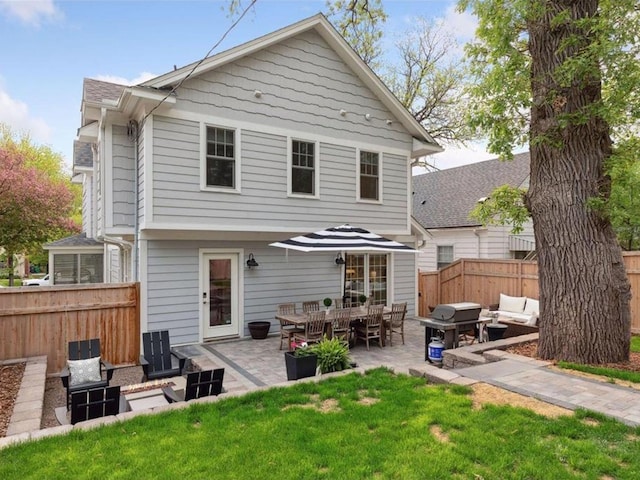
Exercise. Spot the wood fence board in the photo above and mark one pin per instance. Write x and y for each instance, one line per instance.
(483, 280)
(42, 320)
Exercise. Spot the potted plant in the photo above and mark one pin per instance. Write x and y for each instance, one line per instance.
(333, 355)
(327, 302)
(301, 362)
(259, 330)
(362, 298)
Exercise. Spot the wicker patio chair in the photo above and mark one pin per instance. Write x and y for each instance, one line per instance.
(395, 322)
(313, 329)
(370, 328)
(287, 329)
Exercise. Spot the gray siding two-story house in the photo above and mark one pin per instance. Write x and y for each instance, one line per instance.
(200, 168)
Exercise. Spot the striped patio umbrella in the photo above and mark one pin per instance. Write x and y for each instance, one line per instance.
(343, 238)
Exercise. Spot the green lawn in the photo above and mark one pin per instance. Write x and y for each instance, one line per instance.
(377, 425)
(611, 373)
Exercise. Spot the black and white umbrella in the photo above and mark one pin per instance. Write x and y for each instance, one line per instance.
(343, 238)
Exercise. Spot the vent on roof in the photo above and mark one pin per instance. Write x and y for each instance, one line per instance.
(423, 202)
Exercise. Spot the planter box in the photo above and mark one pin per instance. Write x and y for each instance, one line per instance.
(300, 367)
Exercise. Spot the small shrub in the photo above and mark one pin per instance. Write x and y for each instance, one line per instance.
(327, 302)
(333, 355)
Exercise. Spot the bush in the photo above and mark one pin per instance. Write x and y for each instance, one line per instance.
(333, 355)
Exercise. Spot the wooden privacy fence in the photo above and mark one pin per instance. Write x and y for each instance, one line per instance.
(483, 280)
(42, 320)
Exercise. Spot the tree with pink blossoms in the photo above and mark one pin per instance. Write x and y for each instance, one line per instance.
(34, 207)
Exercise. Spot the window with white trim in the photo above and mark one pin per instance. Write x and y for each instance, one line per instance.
(366, 275)
(369, 175)
(445, 255)
(303, 167)
(220, 158)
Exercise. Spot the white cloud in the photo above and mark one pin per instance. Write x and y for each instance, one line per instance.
(15, 114)
(462, 25)
(143, 77)
(31, 12)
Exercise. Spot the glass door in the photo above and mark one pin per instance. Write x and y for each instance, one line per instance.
(220, 295)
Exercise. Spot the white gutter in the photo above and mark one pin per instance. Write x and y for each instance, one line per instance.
(124, 247)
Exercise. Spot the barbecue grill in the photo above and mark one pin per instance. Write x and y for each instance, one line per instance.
(456, 312)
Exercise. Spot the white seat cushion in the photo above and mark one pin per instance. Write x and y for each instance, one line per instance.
(511, 304)
(531, 306)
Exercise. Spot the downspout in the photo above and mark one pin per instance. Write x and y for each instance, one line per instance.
(475, 232)
(133, 130)
(123, 245)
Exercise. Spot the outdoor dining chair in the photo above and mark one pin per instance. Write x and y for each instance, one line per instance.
(85, 368)
(159, 360)
(370, 328)
(395, 322)
(342, 324)
(338, 302)
(313, 328)
(311, 306)
(287, 329)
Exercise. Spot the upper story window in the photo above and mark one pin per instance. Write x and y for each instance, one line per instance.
(445, 255)
(369, 176)
(304, 173)
(220, 158)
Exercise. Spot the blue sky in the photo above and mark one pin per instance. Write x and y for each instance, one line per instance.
(50, 46)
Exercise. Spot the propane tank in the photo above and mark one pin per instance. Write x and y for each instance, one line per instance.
(435, 350)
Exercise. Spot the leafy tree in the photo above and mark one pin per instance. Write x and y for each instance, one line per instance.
(563, 75)
(34, 208)
(360, 24)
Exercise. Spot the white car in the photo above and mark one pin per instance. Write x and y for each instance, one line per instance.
(36, 282)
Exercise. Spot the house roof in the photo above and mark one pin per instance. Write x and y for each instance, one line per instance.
(323, 27)
(79, 240)
(97, 91)
(443, 199)
(82, 154)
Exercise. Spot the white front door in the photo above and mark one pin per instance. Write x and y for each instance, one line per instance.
(220, 294)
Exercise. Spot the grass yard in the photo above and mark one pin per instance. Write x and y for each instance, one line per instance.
(611, 373)
(377, 425)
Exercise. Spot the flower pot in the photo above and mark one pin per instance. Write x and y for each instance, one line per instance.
(259, 330)
(300, 367)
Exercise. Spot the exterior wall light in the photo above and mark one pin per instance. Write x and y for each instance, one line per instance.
(339, 259)
(252, 261)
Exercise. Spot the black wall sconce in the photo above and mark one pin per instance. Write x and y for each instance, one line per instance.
(252, 261)
(339, 259)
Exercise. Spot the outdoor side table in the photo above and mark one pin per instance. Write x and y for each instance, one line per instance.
(495, 331)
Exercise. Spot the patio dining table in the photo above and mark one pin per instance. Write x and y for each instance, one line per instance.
(356, 313)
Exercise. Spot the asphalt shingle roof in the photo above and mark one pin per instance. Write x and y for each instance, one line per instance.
(96, 91)
(79, 240)
(444, 199)
(82, 155)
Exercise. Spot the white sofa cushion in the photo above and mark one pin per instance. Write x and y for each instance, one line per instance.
(511, 304)
(531, 306)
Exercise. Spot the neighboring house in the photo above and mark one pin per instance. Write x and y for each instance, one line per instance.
(287, 134)
(442, 202)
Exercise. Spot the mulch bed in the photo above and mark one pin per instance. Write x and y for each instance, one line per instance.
(10, 379)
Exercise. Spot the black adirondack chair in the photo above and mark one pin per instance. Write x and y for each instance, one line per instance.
(199, 384)
(83, 350)
(158, 359)
(96, 403)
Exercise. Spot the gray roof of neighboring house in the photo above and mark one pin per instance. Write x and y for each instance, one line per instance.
(444, 199)
(96, 91)
(79, 240)
(82, 154)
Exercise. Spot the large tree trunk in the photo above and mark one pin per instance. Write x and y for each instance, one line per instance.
(584, 291)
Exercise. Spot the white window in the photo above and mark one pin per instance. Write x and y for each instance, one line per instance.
(445, 255)
(69, 268)
(366, 274)
(304, 174)
(369, 176)
(220, 165)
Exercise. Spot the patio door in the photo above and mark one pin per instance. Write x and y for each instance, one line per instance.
(220, 295)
